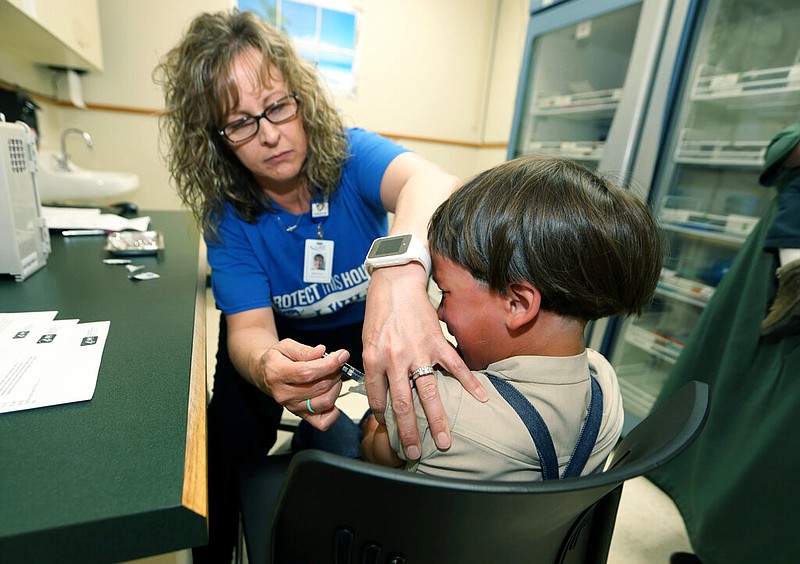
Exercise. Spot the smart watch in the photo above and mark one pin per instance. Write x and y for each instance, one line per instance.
(395, 250)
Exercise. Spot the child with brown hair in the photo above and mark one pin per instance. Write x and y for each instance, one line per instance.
(525, 254)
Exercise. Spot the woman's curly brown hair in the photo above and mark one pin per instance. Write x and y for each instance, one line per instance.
(199, 93)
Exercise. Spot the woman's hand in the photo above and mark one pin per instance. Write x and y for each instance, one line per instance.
(303, 381)
(401, 334)
(296, 375)
(401, 329)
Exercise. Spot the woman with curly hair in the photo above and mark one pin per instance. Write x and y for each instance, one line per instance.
(259, 154)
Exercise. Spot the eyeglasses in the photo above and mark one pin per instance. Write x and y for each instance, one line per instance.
(244, 128)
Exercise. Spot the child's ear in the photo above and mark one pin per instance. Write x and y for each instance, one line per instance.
(523, 301)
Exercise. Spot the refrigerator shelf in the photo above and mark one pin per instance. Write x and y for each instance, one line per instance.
(722, 153)
(655, 344)
(688, 291)
(578, 150)
(762, 82)
(640, 385)
(738, 226)
(599, 100)
(705, 233)
(634, 400)
(673, 294)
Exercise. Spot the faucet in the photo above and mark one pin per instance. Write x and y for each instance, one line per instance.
(63, 160)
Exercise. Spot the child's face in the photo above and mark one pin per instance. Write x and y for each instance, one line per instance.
(473, 313)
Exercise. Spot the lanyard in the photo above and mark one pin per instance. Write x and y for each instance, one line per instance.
(541, 434)
(319, 213)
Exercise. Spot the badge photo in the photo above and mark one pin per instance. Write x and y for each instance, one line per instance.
(318, 262)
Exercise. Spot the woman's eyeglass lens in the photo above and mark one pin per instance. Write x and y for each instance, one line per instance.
(246, 127)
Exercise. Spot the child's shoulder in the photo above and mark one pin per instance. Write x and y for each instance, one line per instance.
(597, 360)
(449, 384)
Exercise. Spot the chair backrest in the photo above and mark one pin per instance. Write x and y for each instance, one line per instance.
(333, 509)
(663, 434)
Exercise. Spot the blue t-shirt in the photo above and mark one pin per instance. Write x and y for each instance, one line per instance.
(261, 265)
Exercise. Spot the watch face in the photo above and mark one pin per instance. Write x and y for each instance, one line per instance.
(391, 246)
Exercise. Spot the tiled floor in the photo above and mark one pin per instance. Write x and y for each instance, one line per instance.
(649, 527)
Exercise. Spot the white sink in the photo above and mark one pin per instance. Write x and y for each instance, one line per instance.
(79, 183)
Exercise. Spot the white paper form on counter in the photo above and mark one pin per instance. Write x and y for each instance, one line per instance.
(91, 218)
(17, 330)
(49, 362)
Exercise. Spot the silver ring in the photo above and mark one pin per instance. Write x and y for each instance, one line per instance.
(421, 371)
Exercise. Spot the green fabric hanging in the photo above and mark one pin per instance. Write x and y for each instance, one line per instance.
(778, 149)
(737, 486)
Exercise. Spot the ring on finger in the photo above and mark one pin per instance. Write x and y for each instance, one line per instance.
(308, 406)
(421, 371)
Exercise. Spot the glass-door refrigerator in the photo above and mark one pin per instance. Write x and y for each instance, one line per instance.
(586, 86)
(738, 85)
(585, 80)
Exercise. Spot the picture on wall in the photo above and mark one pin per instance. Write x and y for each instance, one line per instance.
(324, 34)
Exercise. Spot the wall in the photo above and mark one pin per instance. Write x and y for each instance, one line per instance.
(444, 70)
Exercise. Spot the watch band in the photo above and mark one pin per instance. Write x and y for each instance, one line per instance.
(403, 249)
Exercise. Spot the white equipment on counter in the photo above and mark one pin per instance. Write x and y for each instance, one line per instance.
(25, 240)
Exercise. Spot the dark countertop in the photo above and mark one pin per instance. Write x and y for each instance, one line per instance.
(123, 475)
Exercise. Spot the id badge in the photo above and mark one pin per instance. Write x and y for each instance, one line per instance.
(318, 263)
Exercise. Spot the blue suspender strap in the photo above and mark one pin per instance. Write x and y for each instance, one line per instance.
(541, 434)
(535, 424)
(589, 431)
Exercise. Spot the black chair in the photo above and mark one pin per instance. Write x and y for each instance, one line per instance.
(326, 508)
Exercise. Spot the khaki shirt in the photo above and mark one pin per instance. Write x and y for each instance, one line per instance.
(490, 441)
